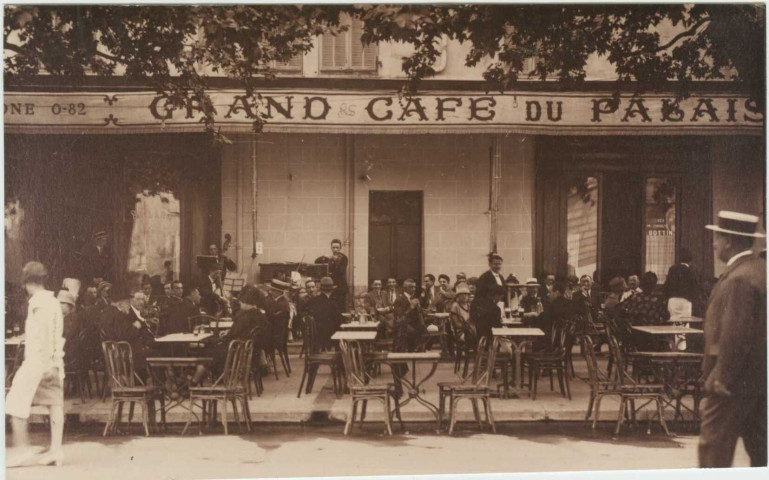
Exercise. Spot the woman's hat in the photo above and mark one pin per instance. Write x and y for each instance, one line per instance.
(33, 271)
(65, 296)
(462, 288)
(735, 223)
(326, 283)
(251, 295)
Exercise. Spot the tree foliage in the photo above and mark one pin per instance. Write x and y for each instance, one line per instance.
(177, 48)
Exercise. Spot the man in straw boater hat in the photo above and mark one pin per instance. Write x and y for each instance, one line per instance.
(735, 348)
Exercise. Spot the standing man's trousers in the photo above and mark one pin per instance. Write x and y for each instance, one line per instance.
(724, 420)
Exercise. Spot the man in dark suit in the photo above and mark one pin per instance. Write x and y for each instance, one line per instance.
(135, 330)
(683, 285)
(324, 308)
(735, 348)
(97, 259)
(212, 294)
(493, 276)
(485, 313)
(409, 329)
(337, 270)
(179, 311)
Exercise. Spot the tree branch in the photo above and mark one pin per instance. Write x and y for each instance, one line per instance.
(683, 34)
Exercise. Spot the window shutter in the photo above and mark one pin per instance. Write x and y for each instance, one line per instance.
(363, 57)
(334, 52)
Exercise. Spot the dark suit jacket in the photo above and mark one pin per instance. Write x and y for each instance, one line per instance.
(682, 281)
(175, 321)
(374, 300)
(485, 315)
(409, 325)
(735, 328)
(243, 323)
(485, 281)
(209, 301)
(97, 264)
(328, 317)
(337, 270)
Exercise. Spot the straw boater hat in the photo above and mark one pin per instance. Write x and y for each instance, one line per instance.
(462, 288)
(279, 285)
(532, 282)
(735, 223)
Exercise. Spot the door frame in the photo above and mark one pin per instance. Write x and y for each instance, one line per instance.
(421, 195)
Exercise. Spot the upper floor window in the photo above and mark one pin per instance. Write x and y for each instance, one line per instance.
(293, 65)
(345, 51)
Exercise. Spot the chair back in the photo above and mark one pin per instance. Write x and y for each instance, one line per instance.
(235, 369)
(622, 377)
(18, 357)
(310, 336)
(196, 321)
(354, 367)
(594, 373)
(118, 359)
(485, 358)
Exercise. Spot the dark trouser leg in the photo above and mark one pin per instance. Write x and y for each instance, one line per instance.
(719, 430)
(754, 430)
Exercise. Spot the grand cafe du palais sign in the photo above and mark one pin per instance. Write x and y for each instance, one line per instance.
(337, 111)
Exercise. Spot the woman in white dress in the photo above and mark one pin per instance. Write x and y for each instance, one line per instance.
(39, 380)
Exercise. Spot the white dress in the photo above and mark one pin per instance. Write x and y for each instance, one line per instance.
(43, 350)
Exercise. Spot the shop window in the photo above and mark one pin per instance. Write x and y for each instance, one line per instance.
(345, 51)
(582, 225)
(659, 226)
(155, 236)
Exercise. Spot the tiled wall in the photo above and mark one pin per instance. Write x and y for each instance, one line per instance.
(301, 197)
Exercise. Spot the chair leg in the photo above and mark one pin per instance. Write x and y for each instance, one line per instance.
(246, 412)
(441, 407)
(116, 425)
(163, 411)
(145, 418)
(224, 416)
(301, 383)
(475, 411)
(350, 416)
(388, 423)
(110, 420)
(597, 409)
(274, 365)
(566, 382)
(489, 413)
(453, 419)
(550, 374)
(288, 362)
(311, 378)
(589, 406)
(535, 369)
(189, 417)
(398, 413)
(235, 413)
(662, 417)
(130, 415)
(622, 409)
(363, 412)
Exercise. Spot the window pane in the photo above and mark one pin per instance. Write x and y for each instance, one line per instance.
(155, 236)
(582, 225)
(660, 226)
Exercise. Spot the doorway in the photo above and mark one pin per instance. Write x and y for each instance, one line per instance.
(395, 235)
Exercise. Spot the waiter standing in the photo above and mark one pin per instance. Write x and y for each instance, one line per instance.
(337, 270)
(735, 348)
(97, 259)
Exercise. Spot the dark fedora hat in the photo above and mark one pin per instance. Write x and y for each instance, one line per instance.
(326, 284)
(735, 223)
(251, 295)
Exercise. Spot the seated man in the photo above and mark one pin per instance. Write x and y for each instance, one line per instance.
(324, 308)
(531, 303)
(179, 312)
(135, 330)
(645, 308)
(410, 330)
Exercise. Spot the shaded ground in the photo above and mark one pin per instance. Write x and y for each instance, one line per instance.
(290, 450)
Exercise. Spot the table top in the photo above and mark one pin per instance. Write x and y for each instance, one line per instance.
(184, 338)
(673, 355)
(353, 336)
(417, 356)
(360, 326)
(222, 324)
(511, 322)
(666, 330)
(517, 332)
(171, 361)
(686, 320)
(17, 340)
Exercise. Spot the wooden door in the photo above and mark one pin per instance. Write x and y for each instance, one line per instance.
(395, 235)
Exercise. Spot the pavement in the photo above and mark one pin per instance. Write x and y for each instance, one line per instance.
(279, 403)
(299, 451)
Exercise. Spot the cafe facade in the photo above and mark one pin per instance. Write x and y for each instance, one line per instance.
(556, 180)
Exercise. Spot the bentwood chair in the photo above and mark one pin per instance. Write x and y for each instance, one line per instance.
(362, 388)
(127, 387)
(630, 391)
(553, 361)
(229, 387)
(314, 358)
(600, 383)
(254, 361)
(474, 387)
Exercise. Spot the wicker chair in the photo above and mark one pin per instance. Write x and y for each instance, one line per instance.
(600, 384)
(127, 387)
(475, 387)
(229, 387)
(314, 358)
(254, 361)
(362, 389)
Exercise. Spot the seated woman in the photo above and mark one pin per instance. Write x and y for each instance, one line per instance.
(460, 313)
(250, 316)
